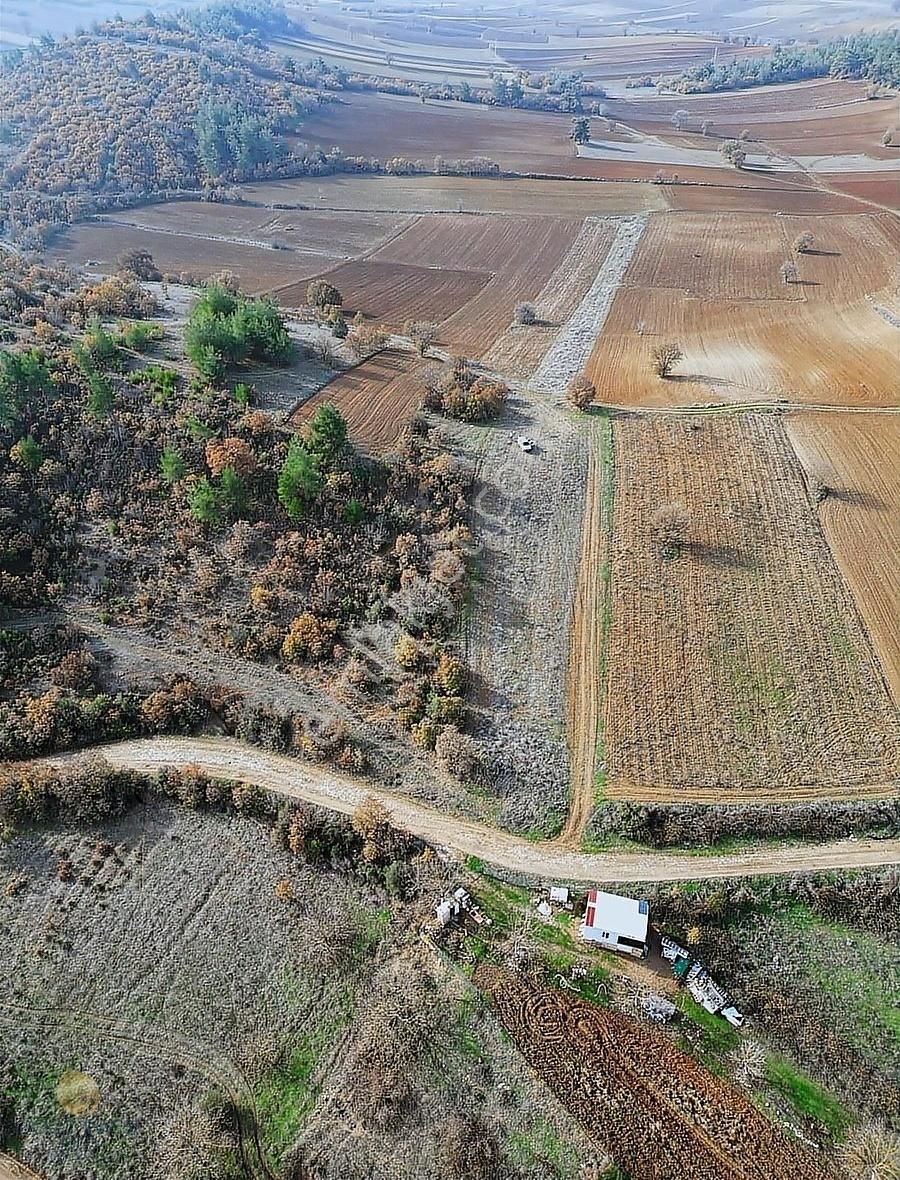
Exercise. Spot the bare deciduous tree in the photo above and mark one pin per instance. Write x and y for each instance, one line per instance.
(803, 242)
(665, 358)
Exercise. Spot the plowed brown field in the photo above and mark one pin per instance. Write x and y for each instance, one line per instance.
(661, 1114)
(857, 457)
(392, 292)
(519, 350)
(377, 399)
(467, 273)
(739, 662)
(711, 283)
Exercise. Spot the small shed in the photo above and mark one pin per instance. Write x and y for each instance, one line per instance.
(617, 923)
(559, 894)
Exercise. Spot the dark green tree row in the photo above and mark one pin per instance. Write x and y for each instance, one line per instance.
(233, 143)
(871, 56)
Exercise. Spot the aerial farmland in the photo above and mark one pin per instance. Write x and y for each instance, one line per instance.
(449, 485)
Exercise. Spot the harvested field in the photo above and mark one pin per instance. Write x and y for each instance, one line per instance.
(495, 262)
(712, 284)
(694, 198)
(264, 249)
(857, 458)
(883, 189)
(386, 126)
(377, 399)
(661, 1114)
(392, 292)
(766, 102)
(520, 348)
(315, 231)
(714, 256)
(737, 658)
(454, 194)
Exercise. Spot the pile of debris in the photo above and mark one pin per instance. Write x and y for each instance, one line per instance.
(699, 983)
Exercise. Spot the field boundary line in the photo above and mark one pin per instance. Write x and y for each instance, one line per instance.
(229, 759)
(573, 346)
(583, 673)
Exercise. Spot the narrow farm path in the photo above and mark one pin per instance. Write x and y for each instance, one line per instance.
(583, 677)
(11, 1169)
(228, 759)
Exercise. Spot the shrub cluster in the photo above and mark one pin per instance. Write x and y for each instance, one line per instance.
(697, 826)
(459, 392)
(224, 329)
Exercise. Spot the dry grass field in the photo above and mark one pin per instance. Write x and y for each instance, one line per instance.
(377, 399)
(96, 246)
(712, 284)
(265, 248)
(459, 194)
(161, 964)
(737, 660)
(857, 458)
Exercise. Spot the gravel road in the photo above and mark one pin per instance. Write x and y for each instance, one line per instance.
(228, 759)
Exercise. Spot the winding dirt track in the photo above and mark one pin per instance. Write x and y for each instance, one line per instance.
(228, 759)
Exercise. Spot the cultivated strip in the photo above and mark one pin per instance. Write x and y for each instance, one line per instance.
(572, 348)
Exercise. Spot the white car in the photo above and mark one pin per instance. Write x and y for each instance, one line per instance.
(527, 444)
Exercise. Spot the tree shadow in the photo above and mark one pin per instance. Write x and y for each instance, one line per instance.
(823, 253)
(855, 498)
(720, 556)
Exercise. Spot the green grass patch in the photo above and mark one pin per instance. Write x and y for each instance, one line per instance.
(807, 1098)
(718, 1038)
(539, 1144)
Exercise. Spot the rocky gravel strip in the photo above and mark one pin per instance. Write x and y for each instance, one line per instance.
(569, 354)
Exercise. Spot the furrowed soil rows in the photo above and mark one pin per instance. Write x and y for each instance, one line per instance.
(746, 335)
(737, 659)
(392, 292)
(857, 458)
(377, 399)
(519, 350)
(660, 1113)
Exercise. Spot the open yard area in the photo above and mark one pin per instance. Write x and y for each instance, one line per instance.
(855, 461)
(738, 663)
(712, 284)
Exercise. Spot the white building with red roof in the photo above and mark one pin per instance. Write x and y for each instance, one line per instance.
(617, 923)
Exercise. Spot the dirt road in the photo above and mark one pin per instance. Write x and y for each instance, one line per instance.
(583, 676)
(229, 759)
